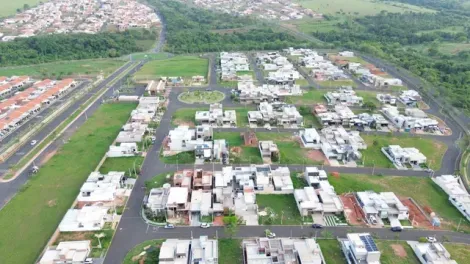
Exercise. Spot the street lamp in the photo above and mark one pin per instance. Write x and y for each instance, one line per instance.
(100, 235)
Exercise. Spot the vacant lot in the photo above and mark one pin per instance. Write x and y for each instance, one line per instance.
(283, 206)
(183, 66)
(186, 157)
(232, 138)
(358, 7)
(158, 180)
(35, 212)
(230, 251)
(65, 68)
(201, 97)
(458, 252)
(423, 190)
(132, 256)
(186, 116)
(432, 149)
(331, 251)
(396, 252)
(130, 165)
(339, 83)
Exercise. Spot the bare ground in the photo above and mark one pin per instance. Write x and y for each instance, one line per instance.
(399, 250)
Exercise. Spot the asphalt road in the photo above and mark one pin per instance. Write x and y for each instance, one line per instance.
(9, 189)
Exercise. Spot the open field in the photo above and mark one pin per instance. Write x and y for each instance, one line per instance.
(232, 138)
(284, 208)
(9, 7)
(152, 244)
(452, 29)
(308, 25)
(358, 7)
(179, 66)
(458, 252)
(123, 164)
(298, 180)
(447, 48)
(313, 96)
(65, 68)
(230, 251)
(433, 150)
(180, 158)
(207, 97)
(333, 84)
(40, 205)
(331, 251)
(396, 252)
(423, 190)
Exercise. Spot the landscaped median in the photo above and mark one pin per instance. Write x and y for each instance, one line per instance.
(32, 216)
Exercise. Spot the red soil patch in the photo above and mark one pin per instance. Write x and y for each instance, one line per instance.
(317, 155)
(399, 250)
(417, 218)
(352, 211)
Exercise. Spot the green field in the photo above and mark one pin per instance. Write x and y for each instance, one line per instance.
(65, 68)
(432, 149)
(423, 190)
(206, 97)
(230, 251)
(311, 97)
(458, 252)
(284, 208)
(331, 251)
(186, 116)
(147, 245)
(447, 48)
(125, 164)
(9, 7)
(179, 66)
(232, 138)
(389, 257)
(180, 158)
(453, 29)
(298, 180)
(358, 7)
(333, 84)
(34, 213)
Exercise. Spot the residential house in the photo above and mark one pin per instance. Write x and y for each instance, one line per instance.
(269, 150)
(341, 115)
(204, 250)
(360, 248)
(384, 205)
(123, 150)
(247, 92)
(175, 251)
(157, 198)
(310, 138)
(88, 218)
(313, 176)
(410, 98)
(418, 120)
(431, 253)
(277, 114)
(387, 99)
(344, 96)
(177, 204)
(102, 188)
(75, 252)
(458, 195)
(216, 117)
(341, 145)
(401, 157)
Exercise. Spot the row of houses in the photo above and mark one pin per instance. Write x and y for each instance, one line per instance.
(342, 115)
(276, 113)
(78, 16)
(216, 117)
(412, 119)
(249, 93)
(21, 106)
(231, 63)
(370, 78)
(279, 69)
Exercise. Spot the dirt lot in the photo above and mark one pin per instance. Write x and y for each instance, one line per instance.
(352, 211)
(399, 250)
(317, 155)
(419, 220)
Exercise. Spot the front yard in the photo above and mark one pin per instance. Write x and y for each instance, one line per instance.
(283, 207)
(230, 251)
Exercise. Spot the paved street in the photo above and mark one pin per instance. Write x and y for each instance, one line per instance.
(133, 230)
(9, 189)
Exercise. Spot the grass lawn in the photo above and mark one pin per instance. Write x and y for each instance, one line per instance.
(180, 158)
(433, 150)
(230, 251)
(154, 244)
(65, 68)
(77, 236)
(184, 66)
(228, 84)
(125, 164)
(302, 82)
(388, 254)
(232, 138)
(458, 252)
(333, 84)
(150, 56)
(251, 73)
(289, 149)
(368, 96)
(9, 7)
(311, 97)
(33, 215)
(242, 115)
(247, 155)
(298, 180)
(331, 250)
(358, 7)
(423, 190)
(309, 119)
(185, 116)
(309, 25)
(157, 181)
(201, 97)
(283, 206)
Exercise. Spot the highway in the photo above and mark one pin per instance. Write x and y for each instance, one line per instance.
(9, 189)
(133, 230)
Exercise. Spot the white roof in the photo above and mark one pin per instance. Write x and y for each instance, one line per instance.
(71, 251)
(178, 195)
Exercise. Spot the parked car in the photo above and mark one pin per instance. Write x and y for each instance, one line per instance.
(205, 225)
(169, 226)
(396, 229)
(33, 142)
(208, 89)
(431, 239)
(88, 261)
(317, 226)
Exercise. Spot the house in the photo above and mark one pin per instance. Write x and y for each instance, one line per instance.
(177, 204)
(182, 138)
(67, 252)
(401, 157)
(281, 180)
(282, 250)
(157, 198)
(231, 63)
(341, 145)
(360, 248)
(198, 79)
(431, 253)
(123, 150)
(275, 114)
(308, 202)
(216, 117)
(386, 99)
(344, 96)
(269, 150)
(310, 138)
(155, 87)
(174, 251)
(89, 218)
(248, 92)
(348, 54)
(384, 205)
(458, 195)
(183, 178)
(204, 250)
(102, 188)
(417, 120)
(375, 121)
(132, 136)
(201, 203)
(313, 176)
(410, 98)
(202, 180)
(341, 115)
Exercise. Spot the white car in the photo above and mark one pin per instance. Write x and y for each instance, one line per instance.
(431, 239)
(33, 142)
(169, 226)
(271, 235)
(88, 261)
(205, 225)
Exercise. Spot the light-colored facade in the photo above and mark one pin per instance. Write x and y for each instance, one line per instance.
(341, 145)
(341, 115)
(89, 218)
(73, 252)
(102, 188)
(310, 138)
(360, 248)
(401, 157)
(343, 96)
(431, 253)
(216, 117)
(279, 114)
(123, 150)
(458, 195)
(413, 119)
(384, 205)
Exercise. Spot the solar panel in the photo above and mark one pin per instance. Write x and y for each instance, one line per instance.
(369, 243)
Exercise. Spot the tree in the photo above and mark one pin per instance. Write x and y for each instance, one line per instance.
(370, 106)
(231, 225)
(25, 7)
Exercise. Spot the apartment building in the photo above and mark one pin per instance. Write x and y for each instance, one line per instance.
(458, 195)
(384, 205)
(216, 117)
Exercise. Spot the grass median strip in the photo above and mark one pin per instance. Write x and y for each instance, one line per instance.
(35, 212)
